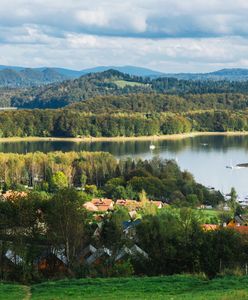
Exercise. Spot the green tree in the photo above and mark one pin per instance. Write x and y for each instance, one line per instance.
(233, 204)
(58, 181)
(66, 223)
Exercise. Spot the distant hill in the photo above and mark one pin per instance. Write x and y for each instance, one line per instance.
(130, 70)
(113, 83)
(29, 77)
(12, 76)
(109, 82)
(224, 74)
(21, 77)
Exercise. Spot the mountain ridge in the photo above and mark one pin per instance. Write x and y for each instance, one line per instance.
(22, 77)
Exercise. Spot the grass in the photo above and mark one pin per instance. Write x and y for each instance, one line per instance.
(210, 215)
(12, 292)
(123, 83)
(168, 287)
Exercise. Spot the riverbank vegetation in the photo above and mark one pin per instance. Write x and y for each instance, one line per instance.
(74, 123)
(160, 179)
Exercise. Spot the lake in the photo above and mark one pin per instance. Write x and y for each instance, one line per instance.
(206, 157)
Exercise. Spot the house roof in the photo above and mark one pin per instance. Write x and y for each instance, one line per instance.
(132, 204)
(12, 195)
(209, 227)
(103, 204)
(159, 204)
(90, 206)
(130, 224)
(241, 219)
(240, 229)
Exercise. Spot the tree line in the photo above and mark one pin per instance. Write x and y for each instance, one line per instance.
(157, 103)
(100, 174)
(74, 123)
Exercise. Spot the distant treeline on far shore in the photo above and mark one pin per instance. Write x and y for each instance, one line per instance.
(74, 123)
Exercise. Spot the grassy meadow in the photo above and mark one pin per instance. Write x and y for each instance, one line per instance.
(170, 287)
(13, 292)
(123, 83)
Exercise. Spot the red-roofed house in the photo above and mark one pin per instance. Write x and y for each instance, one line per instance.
(101, 205)
(209, 227)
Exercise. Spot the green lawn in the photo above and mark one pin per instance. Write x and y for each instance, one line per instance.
(12, 291)
(171, 288)
(123, 83)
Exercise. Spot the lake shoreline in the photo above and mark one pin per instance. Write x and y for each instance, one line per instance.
(121, 138)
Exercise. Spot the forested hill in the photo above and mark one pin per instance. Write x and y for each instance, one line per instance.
(58, 95)
(29, 77)
(112, 83)
(157, 103)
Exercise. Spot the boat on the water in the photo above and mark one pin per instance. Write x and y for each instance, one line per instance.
(152, 147)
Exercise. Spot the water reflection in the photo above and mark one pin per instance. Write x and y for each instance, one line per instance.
(206, 156)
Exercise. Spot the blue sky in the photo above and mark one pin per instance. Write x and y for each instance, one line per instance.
(166, 35)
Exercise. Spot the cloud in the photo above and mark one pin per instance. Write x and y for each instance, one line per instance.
(170, 35)
(132, 18)
(92, 18)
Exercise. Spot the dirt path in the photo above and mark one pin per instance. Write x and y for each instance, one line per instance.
(27, 290)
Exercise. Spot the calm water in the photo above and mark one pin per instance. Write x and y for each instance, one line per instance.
(205, 157)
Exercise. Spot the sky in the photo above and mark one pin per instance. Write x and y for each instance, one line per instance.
(165, 35)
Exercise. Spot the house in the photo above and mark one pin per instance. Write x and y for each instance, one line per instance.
(237, 227)
(159, 204)
(52, 262)
(13, 195)
(129, 204)
(137, 251)
(126, 252)
(90, 207)
(129, 228)
(238, 220)
(241, 229)
(210, 227)
(98, 256)
(99, 205)
(87, 252)
(13, 257)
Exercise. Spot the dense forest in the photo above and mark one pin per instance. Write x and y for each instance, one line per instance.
(152, 102)
(114, 83)
(74, 123)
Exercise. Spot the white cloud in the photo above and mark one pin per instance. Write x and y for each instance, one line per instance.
(170, 35)
(90, 17)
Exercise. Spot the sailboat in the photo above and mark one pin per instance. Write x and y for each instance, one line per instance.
(152, 147)
(231, 166)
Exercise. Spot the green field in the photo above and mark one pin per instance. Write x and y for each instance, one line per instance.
(210, 215)
(123, 83)
(170, 287)
(13, 292)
